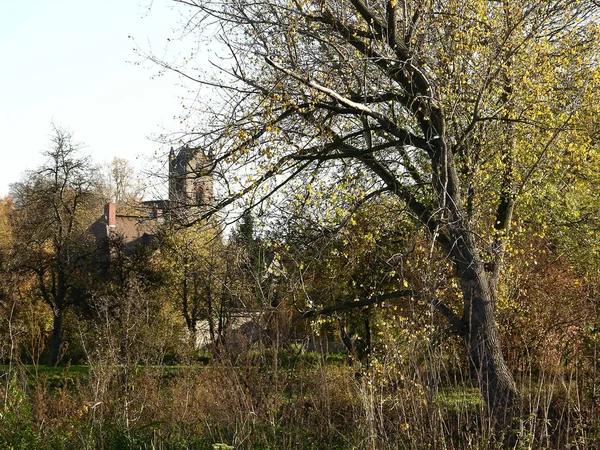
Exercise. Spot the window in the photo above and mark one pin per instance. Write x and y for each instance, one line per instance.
(200, 197)
(179, 187)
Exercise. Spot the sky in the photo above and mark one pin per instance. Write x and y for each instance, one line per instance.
(72, 63)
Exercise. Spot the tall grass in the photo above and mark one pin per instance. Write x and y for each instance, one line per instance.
(286, 399)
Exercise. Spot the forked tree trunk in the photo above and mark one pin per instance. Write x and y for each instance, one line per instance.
(480, 333)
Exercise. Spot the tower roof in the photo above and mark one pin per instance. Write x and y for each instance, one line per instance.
(190, 178)
(182, 160)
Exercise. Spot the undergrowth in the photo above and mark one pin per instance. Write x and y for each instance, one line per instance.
(284, 401)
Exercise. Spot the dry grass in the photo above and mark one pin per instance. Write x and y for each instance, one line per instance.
(259, 403)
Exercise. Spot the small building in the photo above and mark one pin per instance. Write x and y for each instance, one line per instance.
(133, 230)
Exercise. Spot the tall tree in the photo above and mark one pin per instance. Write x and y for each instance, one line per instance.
(454, 109)
(194, 263)
(53, 206)
(121, 185)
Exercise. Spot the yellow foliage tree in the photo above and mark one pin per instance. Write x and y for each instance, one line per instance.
(453, 109)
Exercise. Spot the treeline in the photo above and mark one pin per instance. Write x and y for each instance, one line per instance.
(66, 289)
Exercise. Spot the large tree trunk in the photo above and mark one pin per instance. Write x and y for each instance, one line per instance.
(480, 333)
(56, 339)
(496, 382)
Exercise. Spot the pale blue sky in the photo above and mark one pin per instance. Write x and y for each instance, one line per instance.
(69, 61)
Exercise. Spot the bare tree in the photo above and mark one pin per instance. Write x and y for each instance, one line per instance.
(53, 205)
(121, 185)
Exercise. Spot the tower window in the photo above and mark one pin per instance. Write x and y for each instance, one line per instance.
(179, 185)
(200, 195)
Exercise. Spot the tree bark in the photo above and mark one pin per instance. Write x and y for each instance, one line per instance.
(480, 336)
(56, 340)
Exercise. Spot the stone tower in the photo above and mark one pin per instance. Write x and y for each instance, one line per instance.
(190, 179)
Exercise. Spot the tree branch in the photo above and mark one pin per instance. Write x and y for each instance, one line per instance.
(456, 324)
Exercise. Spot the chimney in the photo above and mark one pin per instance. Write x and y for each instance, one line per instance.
(110, 214)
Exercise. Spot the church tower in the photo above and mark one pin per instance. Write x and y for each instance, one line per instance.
(190, 178)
